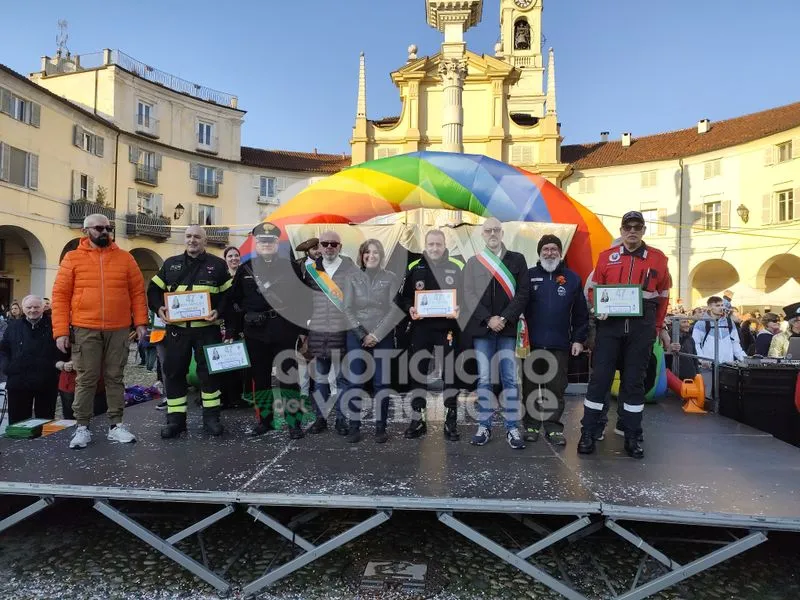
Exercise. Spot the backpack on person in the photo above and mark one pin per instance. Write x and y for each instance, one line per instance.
(708, 330)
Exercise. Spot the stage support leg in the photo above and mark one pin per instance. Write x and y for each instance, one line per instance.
(312, 552)
(679, 573)
(514, 559)
(164, 546)
(634, 539)
(26, 512)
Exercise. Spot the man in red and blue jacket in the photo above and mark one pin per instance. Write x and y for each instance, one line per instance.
(624, 340)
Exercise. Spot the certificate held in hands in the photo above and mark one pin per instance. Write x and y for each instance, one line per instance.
(187, 306)
(618, 300)
(436, 303)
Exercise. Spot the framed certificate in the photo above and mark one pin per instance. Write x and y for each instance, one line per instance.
(435, 303)
(618, 300)
(226, 357)
(187, 306)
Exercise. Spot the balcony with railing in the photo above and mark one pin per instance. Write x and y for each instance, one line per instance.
(80, 209)
(146, 174)
(140, 69)
(208, 188)
(218, 235)
(147, 126)
(148, 226)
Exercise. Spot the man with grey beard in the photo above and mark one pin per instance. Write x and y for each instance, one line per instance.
(558, 319)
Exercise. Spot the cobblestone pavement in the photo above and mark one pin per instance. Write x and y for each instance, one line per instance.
(71, 551)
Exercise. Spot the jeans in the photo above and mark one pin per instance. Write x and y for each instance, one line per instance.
(150, 358)
(496, 353)
(356, 365)
(320, 368)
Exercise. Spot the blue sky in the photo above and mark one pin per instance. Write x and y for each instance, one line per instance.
(643, 66)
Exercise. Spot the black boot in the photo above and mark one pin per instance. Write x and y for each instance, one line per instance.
(586, 443)
(632, 447)
(380, 434)
(211, 424)
(353, 434)
(341, 426)
(318, 426)
(295, 431)
(176, 424)
(451, 425)
(416, 428)
(263, 426)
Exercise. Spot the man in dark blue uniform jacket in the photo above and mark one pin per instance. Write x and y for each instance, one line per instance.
(558, 319)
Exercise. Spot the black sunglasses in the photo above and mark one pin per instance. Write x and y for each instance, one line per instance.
(267, 239)
(102, 228)
(491, 230)
(329, 244)
(637, 227)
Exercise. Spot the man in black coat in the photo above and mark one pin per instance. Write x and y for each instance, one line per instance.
(495, 293)
(268, 293)
(30, 354)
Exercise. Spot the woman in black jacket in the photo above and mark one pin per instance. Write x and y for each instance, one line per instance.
(29, 353)
(372, 315)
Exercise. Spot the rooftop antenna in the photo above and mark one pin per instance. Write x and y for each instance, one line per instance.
(62, 37)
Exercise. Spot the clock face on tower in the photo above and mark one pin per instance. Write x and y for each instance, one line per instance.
(524, 4)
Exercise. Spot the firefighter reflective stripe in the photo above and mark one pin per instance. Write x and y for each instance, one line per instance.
(593, 405)
(211, 289)
(225, 286)
(176, 405)
(211, 400)
(652, 295)
(634, 408)
(159, 282)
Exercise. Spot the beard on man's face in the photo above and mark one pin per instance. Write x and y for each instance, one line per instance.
(102, 240)
(549, 264)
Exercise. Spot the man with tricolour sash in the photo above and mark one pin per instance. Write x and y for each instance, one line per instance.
(327, 330)
(495, 293)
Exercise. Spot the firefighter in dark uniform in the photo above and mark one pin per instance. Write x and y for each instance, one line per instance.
(436, 270)
(625, 342)
(194, 270)
(269, 292)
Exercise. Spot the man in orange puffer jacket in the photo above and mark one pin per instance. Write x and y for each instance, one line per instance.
(99, 292)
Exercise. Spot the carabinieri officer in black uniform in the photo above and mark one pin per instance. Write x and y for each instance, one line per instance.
(194, 270)
(436, 270)
(270, 297)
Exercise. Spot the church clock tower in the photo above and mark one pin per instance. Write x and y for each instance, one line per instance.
(520, 45)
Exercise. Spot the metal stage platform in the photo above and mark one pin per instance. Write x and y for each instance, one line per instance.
(700, 470)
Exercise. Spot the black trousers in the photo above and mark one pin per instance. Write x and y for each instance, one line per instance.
(180, 344)
(432, 340)
(544, 400)
(627, 342)
(263, 357)
(40, 403)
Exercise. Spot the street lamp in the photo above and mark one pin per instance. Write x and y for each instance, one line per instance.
(179, 212)
(744, 213)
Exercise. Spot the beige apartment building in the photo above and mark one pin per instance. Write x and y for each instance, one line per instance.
(106, 133)
(722, 199)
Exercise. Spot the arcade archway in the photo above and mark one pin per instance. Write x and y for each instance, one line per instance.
(711, 277)
(149, 262)
(69, 247)
(23, 264)
(778, 270)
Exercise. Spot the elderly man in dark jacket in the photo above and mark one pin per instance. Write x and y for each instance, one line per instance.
(558, 317)
(30, 355)
(496, 293)
(327, 329)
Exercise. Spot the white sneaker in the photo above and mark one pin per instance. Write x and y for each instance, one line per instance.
(81, 438)
(120, 434)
